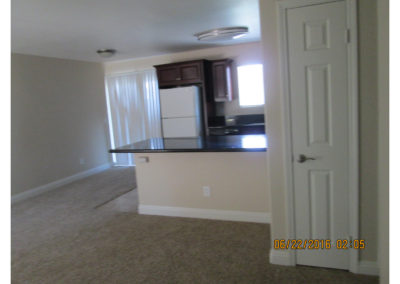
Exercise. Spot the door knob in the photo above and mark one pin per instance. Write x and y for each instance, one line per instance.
(303, 158)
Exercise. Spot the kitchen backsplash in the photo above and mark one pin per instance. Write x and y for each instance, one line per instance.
(230, 120)
(233, 108)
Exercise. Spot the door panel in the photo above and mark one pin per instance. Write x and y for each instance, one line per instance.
(316, 34)
(190, 72)
(319, 104)
(320, 192)
(319, 113)
(168, 75)
(222, 82)
(219, 77)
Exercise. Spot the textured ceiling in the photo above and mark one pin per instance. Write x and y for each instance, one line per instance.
(75, 29)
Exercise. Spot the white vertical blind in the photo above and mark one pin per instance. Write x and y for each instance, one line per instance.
(133, 110)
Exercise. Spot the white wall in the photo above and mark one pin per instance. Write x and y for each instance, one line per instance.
(237, 180)
(368, 115)
(368, 123)
(242, 54)
(383, 140)
(58, 115)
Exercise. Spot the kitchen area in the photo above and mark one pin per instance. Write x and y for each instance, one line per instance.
(216, 83)
(208, 163)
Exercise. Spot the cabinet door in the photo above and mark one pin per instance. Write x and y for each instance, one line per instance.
(168, 76)
(191, 73)
(222, 80)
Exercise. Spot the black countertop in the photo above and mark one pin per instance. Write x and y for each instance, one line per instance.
(227, 143)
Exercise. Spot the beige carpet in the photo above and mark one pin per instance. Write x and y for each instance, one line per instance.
(74, 235)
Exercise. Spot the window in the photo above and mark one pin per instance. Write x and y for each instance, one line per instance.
(133, 110)
(251, 86)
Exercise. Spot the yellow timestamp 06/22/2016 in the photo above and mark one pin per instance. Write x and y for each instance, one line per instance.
(319, 244)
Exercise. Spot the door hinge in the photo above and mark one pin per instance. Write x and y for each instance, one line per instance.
(347, 36)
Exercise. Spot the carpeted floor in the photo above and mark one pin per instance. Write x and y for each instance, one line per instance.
(82, 233)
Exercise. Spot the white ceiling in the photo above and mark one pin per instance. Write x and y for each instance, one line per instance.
(75, 29)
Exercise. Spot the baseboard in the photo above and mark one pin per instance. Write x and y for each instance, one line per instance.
(55, 184)
(368, 268)
(281, 257)
(243, 216)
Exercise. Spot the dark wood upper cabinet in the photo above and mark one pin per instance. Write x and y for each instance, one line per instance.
(168, 74)
(222, 80)
(182, 73)
(191, 72)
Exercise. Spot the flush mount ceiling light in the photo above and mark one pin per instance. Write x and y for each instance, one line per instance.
(222, 34)
(106, 52)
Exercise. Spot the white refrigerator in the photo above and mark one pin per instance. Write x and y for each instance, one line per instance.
(181, 112)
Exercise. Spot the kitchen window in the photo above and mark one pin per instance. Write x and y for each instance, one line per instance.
(251, 85)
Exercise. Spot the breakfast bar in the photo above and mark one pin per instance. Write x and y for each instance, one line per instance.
(227, 143)
(214, 177)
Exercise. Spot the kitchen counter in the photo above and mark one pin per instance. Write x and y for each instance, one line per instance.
(227, 143)
(213, 177)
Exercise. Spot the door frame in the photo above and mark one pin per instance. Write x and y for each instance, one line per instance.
(352, 52)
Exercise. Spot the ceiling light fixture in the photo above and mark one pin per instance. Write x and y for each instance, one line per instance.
(228, 33)
(106, 52)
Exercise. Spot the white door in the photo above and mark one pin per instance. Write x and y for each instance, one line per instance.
(179, 102)
(319, 110)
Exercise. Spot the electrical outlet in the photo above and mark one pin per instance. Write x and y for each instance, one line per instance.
(82, 161)
(206, 191)
(142, 160)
